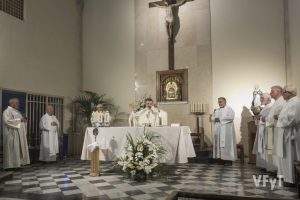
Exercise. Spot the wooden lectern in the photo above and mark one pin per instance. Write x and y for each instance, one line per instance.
(95, 165)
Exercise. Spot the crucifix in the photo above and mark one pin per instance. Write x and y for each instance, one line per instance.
(172, 23)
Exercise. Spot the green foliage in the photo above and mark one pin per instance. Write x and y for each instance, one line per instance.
(88, 100)
(142, 155)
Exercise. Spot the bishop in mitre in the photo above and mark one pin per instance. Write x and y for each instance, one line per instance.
(288, 145)
(100, 117)
(271, 123)
(49, 127)
(224, 143)
(15, 147)
(260, 144)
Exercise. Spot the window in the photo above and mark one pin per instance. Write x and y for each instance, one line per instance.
(13, 7)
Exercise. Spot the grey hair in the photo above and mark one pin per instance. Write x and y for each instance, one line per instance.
(277, 87)
(49, 105)
(267, 95)
(11, 101)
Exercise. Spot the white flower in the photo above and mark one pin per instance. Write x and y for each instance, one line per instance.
(131, 161)
(133, 172)
(140, 148)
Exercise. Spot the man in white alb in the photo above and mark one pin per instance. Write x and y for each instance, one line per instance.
(15, 147)
(260, 144)
(224, 144)
(49, 127)
(271, 121)
(151, 115)
(288, 146)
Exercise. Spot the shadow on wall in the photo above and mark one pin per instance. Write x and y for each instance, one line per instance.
(246, 118)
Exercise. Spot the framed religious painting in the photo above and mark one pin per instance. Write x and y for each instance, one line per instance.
(172, 85)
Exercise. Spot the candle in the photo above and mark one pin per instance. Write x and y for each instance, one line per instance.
(194, 106)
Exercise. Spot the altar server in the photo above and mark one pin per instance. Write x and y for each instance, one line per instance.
(289, 134)
(15, 147)
(49, 127)
(271, 121)
(100, 117)
(224, 144)
(260, 144)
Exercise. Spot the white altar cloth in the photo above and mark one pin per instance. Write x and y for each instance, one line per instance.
(176, 140)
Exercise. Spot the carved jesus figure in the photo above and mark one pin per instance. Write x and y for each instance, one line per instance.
(171, 7)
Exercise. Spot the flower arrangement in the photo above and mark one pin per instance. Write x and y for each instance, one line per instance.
(140, 104)
(142, 155)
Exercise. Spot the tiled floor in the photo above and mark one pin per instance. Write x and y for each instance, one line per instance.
(71, 180)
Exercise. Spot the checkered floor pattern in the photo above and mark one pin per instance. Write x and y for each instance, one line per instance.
(70, 180)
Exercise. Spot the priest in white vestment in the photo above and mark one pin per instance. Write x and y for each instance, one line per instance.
(272, 155)
(148, 116)
(49, 127)
(224, 143)
(260, 144)
(15, 147)
(289, 133)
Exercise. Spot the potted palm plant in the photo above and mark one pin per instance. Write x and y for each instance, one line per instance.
(88, 100)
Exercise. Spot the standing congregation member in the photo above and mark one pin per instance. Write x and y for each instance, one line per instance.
(260, 144)
(288, 135)
(15, 147)
(271, 121)
(49, 126)
(224, 144)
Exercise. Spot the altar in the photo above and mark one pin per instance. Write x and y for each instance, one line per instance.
(176, 140)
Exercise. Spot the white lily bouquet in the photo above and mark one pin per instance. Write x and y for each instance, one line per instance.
(142, 155)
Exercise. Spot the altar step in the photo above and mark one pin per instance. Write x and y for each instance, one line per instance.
(4, 175)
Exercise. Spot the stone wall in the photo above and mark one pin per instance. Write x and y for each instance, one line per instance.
(192, 51)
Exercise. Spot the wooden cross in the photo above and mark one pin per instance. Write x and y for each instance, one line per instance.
(172, 23)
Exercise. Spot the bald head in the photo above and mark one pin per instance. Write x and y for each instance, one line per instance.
(276, 92)
(50, 110)
(289, 92)
(14, 103)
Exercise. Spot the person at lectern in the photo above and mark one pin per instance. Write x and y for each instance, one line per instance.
(224, 144)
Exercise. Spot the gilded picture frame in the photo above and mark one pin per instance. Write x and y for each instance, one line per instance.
(172, 85)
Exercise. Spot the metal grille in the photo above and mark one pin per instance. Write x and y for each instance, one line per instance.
(36, 108)
(13, 7)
